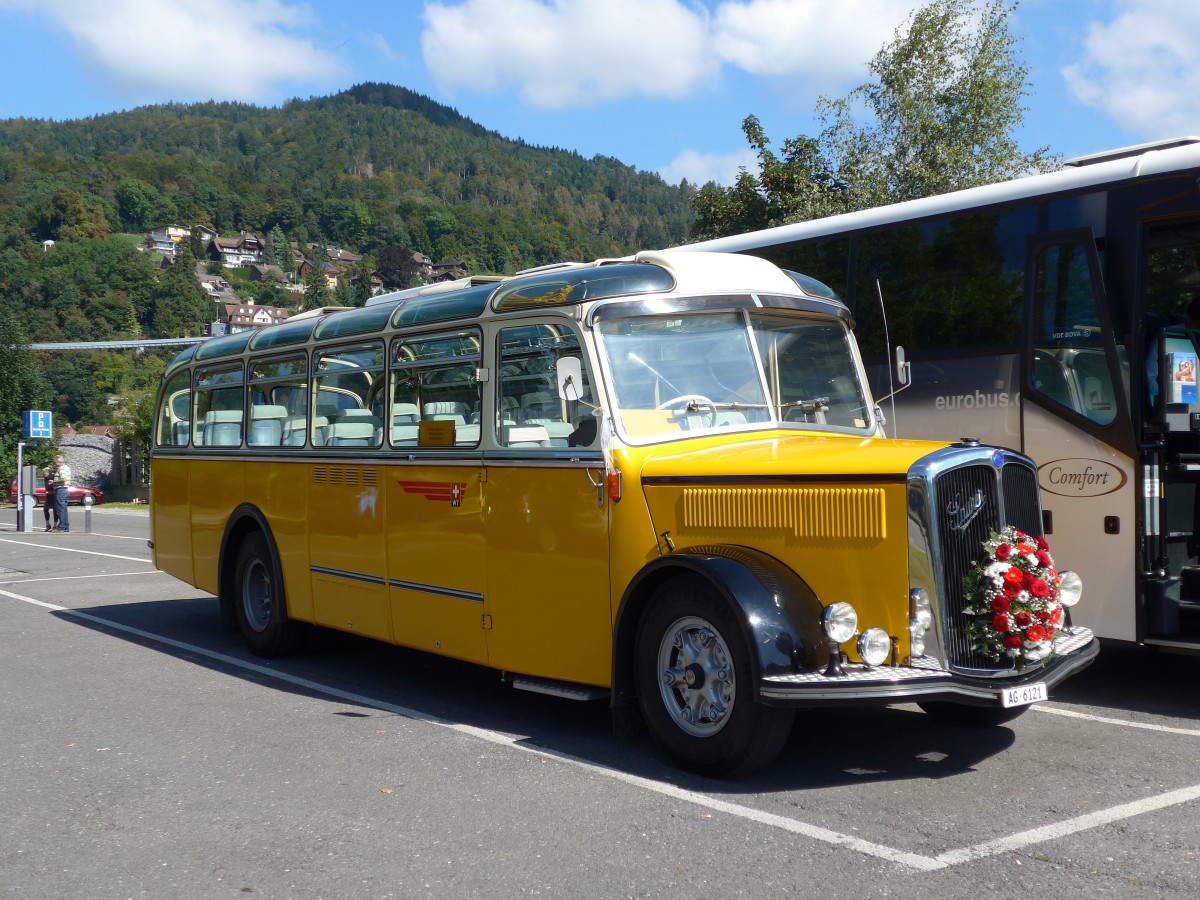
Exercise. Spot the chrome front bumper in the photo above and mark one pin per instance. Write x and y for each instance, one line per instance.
(894, 684)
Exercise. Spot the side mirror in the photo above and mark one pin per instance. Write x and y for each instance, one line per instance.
(903, 367)
(570, 378)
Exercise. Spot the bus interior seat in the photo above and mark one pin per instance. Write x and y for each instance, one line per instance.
(541, 405)
(266, 425)
(223, 428)
(405, 414)
(320, 430)
(454, 410)
(293, 431)
(406, 435)
(524, 436)
(466, 435)
(1050, 379)
(182, 428)
(352, 433)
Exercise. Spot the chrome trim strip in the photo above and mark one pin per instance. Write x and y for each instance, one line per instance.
(435, 589)
(904, 684)
(349, 576)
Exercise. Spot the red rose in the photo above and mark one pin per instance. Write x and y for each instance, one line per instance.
(1044, 559)
(1041, 543)
(1039, 589)
(1001, 605)
(1036, 633)
(1003, 552)
(1042, 616)
(1024, 620)
(1001, 623)
(1012, 642)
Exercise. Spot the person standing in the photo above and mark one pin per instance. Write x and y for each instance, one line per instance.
(49, 501)
(62, 491)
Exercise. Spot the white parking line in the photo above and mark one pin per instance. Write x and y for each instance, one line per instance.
(61, 549)
(1126, 723)
(879, 851)
(76, 577)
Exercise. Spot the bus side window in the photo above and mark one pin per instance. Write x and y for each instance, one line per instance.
(345, 381)
(1068, 333)
(174, 418)
(528, 409)
(434, 380)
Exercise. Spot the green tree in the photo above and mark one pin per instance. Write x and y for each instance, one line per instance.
(183, 309)
(22, 387)
(940, 114)
(316, 289)
(396, 266)
(944, 106)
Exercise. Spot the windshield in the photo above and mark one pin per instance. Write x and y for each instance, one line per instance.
(718, 371)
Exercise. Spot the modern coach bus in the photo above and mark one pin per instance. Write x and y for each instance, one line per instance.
(659, 480)
(1049, 314)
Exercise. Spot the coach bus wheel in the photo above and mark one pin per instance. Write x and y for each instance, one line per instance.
(696, 687)
(258, 601)
(946, 713)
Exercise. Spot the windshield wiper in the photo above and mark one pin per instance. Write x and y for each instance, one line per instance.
(808, 406)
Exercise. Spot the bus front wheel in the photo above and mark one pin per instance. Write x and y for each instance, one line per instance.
(695, 684)
(258, 601)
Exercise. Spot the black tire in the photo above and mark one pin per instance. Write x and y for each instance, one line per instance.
(258, 601)
(965, 716)
(695, 684)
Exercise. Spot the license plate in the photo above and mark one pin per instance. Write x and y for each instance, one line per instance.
(1023, 696)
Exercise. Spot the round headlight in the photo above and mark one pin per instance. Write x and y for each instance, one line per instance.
(1070, 588)
(874, 646)
(840, 621)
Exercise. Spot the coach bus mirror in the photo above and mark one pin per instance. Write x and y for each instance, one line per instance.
(903, 368)
(570, 378)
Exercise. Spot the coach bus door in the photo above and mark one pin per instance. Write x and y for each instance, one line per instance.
(1170, 279)
(1077, 428)
(546, 522)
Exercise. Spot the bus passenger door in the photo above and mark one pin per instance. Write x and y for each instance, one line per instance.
(1076, 426)
(547, 596)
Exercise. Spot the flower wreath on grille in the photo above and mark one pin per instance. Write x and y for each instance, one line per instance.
(1012, 608)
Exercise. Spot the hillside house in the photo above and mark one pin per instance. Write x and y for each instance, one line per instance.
(243, 316)
(235, 252)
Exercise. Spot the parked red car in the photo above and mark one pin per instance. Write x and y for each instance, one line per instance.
(78, 492)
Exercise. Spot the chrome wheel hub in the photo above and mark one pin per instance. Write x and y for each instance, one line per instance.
(696, 676)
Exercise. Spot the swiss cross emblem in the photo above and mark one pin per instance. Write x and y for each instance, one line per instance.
(456, 492)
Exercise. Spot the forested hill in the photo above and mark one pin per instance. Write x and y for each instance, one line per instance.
(372, 166)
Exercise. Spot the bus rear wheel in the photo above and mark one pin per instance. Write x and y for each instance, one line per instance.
(259, 603)
(695, 684)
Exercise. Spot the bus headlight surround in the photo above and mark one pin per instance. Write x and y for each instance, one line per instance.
(920, 619)
(1070, 588)
(874, 646)
(839, 621)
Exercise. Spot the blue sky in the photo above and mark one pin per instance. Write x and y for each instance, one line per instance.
(662, 85)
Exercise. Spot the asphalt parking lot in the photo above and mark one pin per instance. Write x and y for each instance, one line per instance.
(148, 754)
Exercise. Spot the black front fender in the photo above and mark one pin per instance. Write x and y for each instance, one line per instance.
(779, 613)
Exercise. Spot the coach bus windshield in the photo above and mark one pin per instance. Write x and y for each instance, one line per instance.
(721, 371)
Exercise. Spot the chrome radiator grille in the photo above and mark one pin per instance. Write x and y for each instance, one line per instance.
(969, 502)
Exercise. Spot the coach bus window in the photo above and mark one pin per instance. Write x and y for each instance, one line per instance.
(435, 380)
(528, 409)
(219, 402)
(278, 402)
(948, 286)
(175, 417)
(347, 381)
(1070, 363)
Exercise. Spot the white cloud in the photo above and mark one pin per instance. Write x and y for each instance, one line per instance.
(829, 40)
(565, 53)
(1142, 68)
(701, 168)
(189, 51)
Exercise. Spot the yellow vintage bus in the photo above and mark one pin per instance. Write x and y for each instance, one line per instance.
(660, 480)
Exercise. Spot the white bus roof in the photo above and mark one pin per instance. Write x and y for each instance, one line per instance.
(1110, 167)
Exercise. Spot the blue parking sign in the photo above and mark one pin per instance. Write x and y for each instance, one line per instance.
(38, 423)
